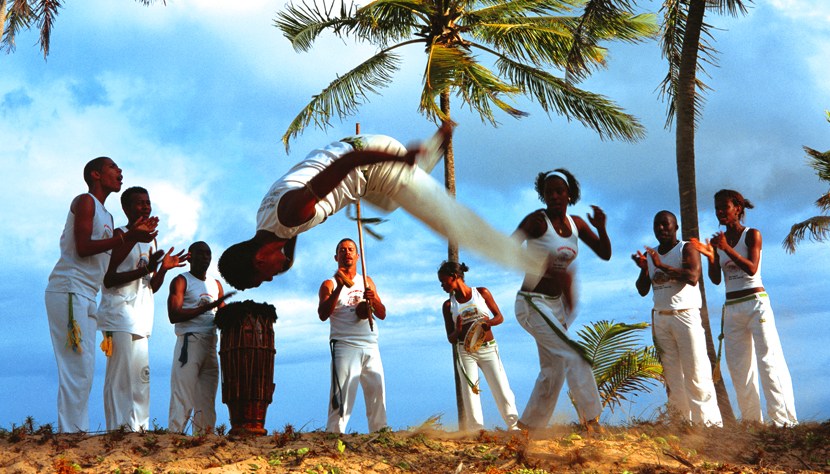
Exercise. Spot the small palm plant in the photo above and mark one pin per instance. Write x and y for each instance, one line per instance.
(622, 366)
(815, 228)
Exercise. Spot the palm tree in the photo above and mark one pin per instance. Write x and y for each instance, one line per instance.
(685, 42)
(817, 227)
(523, 38)
(17, 15)
(622, 366)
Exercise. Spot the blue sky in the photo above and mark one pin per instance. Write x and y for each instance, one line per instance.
(191, 100)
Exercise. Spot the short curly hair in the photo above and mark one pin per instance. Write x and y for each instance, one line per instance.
(236, 265)
(573, 185)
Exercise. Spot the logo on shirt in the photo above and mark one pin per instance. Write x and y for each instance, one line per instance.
(660, 278)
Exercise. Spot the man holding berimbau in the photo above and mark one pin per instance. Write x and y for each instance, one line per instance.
(348, 301)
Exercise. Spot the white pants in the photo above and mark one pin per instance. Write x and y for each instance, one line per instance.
(193, 385)
(353, 366)
(428, 201)
(558, 360)
(127, 383)
(487, 359)
(75, 369)
(681, 343)
(750, 326)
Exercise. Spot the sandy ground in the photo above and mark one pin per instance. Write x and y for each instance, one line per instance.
(648, 448)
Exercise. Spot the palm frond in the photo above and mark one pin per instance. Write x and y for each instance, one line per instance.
(498, 10)
(556, 94)
(387, 21)
(540, 41)
(674, 30)
(303, 23)
(46, 12)
(633, 373)
(595, 14)
(345, 94)
(475, 85)
(819, 161)
(732, 7)
(816, 228)
(19, 16)
(622, 366)
(606, 341)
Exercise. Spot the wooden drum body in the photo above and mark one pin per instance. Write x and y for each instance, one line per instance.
(246, 354)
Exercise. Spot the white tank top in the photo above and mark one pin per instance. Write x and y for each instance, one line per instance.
(197, 293)
(563, 249)
(82, 275)
(474, 309)
(344, 323)
(129, 307)
(734, 278)
(672, 294)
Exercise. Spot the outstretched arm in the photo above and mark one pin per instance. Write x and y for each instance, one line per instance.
(600, 243)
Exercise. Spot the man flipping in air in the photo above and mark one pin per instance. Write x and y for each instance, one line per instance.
(379, 168)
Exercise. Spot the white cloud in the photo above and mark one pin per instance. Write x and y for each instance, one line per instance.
(804, 10)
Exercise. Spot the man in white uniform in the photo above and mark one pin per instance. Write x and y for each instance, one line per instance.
(355, 357)
(85, 247)
(194, 378)
(380, 169)
(672, 271)
(125, 316)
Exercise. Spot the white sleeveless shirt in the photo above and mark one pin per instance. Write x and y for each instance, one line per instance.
(672, 294)
(345, 326)
(562, 249)
(82, 275)
(129, 307)
(734, 278)
(470, 311)
(197, 293)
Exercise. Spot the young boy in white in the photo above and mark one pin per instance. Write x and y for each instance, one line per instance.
(354, 342)
(125, 316)
(672, 271)
(194, 378)
(466, 306)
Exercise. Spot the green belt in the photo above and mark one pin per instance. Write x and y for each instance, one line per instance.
(744, 299)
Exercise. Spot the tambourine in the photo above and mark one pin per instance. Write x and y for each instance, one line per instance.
(475, 336)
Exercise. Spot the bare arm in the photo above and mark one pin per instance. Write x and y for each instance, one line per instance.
(643, 283)
(452, 330)
(497, 318)
(175, 300)
(599, 242)
(748, 263)
(708, 251)
(115, 278)
(329, 294)
(83, 208)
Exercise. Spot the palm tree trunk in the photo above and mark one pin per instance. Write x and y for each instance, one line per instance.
(685, 148)
(449, 170)
(452, 255)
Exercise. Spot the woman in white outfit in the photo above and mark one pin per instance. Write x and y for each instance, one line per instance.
(747, 320)
(466, 306)
(544, 307)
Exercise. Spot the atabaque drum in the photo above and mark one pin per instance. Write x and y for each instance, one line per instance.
(246, 355)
